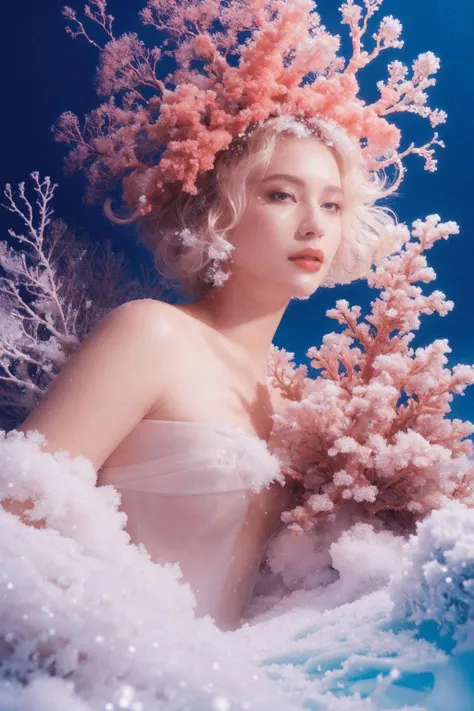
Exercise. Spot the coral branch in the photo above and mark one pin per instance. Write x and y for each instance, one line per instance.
(53, 289)
(371, 431)
(97, 16)
(234, 63)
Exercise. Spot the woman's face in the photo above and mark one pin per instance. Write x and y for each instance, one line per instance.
(296, 205)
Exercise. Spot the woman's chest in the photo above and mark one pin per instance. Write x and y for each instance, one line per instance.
(206, 389)
(212, 391)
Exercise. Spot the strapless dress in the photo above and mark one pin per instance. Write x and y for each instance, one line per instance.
(195, 494)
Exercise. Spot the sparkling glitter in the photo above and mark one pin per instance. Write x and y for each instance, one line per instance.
(109, 707)
(127, 693)
(220, 703)
(449, 580)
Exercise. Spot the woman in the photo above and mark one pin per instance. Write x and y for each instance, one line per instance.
(171, 404)
(143, 396)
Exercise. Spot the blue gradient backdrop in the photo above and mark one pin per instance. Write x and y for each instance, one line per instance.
(45, 72)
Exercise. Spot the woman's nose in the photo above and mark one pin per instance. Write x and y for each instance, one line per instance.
(312, 224)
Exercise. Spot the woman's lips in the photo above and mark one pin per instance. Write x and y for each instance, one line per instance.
(311, 265)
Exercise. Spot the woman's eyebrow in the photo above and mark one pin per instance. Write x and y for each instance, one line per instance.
(299, 181)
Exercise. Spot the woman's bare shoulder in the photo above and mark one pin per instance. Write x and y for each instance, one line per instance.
(164, 315)
(161, 314)
(164, 324)
(118, 373)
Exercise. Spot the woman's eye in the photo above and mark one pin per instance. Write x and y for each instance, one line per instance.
(335, 204)
(281, 195)
(278, 192)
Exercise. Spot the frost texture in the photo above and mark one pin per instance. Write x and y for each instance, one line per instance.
(370, 432)
(245, 454)
(90, 622)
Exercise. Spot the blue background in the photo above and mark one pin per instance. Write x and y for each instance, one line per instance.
(45, 72)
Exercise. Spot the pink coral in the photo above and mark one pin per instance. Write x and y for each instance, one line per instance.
(371, 429)
(256, 60)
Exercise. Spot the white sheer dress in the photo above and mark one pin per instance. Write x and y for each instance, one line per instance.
(205, 496)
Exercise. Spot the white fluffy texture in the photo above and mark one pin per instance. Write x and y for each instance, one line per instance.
(342, 478)
(360, 558)
(65, 496)
(304, 560)
(436, 581)
(364, 493)
(361, 554)
(107, 613)
(114, 630)
(242, 451)
(300, 560)
(320, 502)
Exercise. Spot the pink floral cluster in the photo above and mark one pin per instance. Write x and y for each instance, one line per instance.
(370, 432)
(235, 63)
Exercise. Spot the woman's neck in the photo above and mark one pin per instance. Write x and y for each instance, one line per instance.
(248, 325)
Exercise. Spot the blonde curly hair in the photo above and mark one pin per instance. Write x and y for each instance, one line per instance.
(188, 236)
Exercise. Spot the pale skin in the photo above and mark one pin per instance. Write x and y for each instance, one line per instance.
(204, 361)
